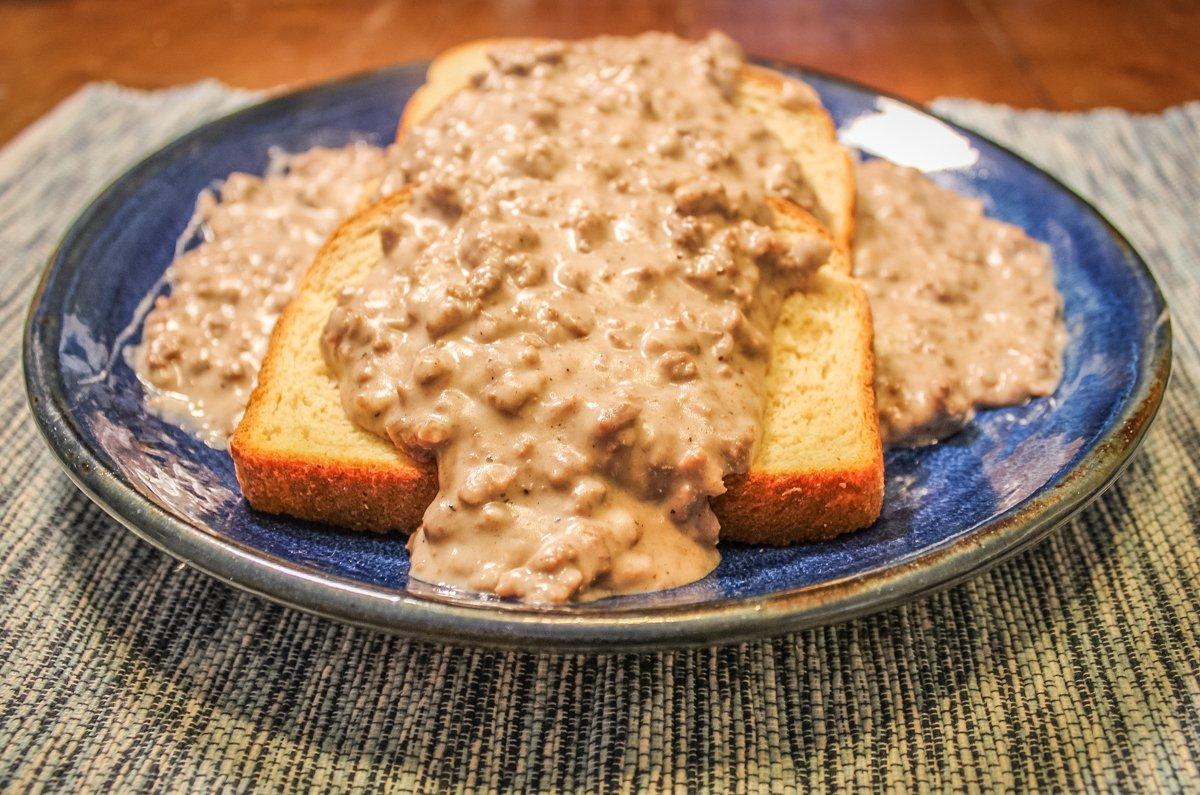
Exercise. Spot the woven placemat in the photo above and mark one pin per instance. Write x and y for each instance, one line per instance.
(1075, 665)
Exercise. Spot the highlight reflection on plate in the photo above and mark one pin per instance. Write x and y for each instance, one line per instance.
(908, 136)
(949, 510)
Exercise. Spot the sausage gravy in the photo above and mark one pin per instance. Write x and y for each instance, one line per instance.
(203, 343)
(965, 309)
(574, 314)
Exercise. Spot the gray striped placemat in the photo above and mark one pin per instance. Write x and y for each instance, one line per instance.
(1075, 665)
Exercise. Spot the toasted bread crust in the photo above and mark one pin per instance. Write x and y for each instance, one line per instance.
(359, 496)
(780, 509)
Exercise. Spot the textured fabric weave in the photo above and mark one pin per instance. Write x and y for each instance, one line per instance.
(1075, 665)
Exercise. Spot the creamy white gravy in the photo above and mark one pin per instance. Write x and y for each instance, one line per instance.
(574, 315)
(965, 309)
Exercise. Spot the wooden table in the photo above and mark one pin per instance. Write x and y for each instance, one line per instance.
(1141, 55)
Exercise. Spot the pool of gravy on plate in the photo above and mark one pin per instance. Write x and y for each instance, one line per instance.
(965, 310)
(204, 342)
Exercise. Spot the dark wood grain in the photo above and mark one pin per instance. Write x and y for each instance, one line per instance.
(1069, 54)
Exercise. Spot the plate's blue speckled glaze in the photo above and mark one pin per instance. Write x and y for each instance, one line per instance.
(950, 510)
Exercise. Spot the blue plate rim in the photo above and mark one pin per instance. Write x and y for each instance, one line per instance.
(644, 628)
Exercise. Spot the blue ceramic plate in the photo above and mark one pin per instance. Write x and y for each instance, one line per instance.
(950, 510)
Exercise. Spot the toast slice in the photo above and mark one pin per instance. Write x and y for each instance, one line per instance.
(818, 472)
(789, 108)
